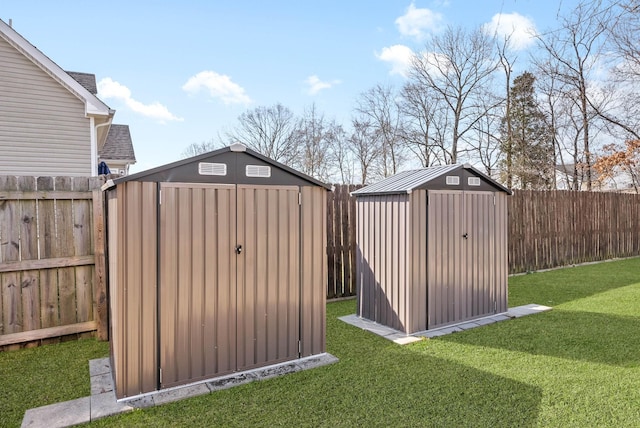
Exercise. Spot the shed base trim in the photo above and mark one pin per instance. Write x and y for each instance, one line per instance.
(404, 338)
(176, 393)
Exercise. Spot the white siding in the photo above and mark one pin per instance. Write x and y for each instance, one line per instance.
(43, 128)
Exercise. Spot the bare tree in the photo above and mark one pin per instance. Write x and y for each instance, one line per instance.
(623, 30)
(573, 51)
(365, 143)
(456, 66)
(379, 106)
(314, 138)
(419, 125)
(342, 156)
(195, 149)
(269, 131)
(507, 140)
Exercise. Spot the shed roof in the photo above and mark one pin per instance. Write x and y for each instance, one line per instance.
(167, 171)
(407, 181)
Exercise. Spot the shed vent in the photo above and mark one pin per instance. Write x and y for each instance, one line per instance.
(473, 181)
(453, 180)
(262, 171)
(209, 168)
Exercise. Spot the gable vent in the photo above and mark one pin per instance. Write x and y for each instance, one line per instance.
(262, 171)
(453, 180)
(473, 181)
(209, 168)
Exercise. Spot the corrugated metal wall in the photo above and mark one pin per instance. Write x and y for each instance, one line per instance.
(132, 286)
(381, 262)
(313, 270)
(268, 281)
(466, 246)
(415, 269)
(219, 311)
(197, 289)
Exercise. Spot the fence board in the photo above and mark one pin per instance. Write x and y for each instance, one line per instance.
(46, 258)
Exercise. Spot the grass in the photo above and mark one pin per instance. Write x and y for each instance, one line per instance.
(577, 365)
(45, 375)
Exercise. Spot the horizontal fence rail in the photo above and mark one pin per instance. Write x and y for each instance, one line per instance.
(546, 229)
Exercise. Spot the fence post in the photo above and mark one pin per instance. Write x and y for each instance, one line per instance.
(100, 280)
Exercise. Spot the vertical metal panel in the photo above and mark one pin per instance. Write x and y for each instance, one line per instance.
(268, 296)
(115, 334)
(313, 272)
(463, 271)
(501, 263)
(417, 257)
(132, 222)
(197, 290)
(382, 262)
(445, 256)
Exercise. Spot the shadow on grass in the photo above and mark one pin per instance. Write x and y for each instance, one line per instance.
(576, 335)
(553, 288)
(391, 387)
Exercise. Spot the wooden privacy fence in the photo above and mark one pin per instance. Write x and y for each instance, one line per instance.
(557, 228)
(546, 229)
(341, 241)
(52, 281)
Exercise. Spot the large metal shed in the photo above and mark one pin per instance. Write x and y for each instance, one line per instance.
(431, 248)
(216, 265)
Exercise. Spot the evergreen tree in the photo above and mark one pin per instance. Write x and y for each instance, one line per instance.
(529, 145)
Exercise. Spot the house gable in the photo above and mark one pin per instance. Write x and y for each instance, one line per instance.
(43, 126)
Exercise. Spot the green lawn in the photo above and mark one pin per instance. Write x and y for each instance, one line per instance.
(577, 365)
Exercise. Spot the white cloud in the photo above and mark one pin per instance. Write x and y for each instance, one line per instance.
(316, 85)
(417, 22)
(520, 30)
(219, 86)
(399, 56)
(108, 88)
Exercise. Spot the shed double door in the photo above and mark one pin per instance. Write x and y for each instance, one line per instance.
(229, 279)
(461, 256)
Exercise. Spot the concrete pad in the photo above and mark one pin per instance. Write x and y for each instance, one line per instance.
(99, 366)
(276, 371)
(486, 321)
(405, 340)
(226, 382)
(468, 325)
(180, 393)
(402, 339)
(140, 402)
(105, 404)
(59, 415)
(101, 383)
(315, 361)
(430, 334)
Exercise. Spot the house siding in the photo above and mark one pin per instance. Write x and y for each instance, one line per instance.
(43, 128)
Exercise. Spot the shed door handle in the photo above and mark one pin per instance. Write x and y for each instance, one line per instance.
(238, 249)
(465, 235)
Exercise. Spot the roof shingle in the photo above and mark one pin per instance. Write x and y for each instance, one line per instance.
(118, 145)
(87, 80)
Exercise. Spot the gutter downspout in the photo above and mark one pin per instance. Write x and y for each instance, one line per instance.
(94, 143)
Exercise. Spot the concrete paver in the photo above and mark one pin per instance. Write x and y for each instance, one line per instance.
(59, 415)
(103, 402)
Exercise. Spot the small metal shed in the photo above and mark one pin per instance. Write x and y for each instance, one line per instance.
(431, 248)
(216, 265)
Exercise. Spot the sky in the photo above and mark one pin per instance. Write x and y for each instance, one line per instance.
(181, 72)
